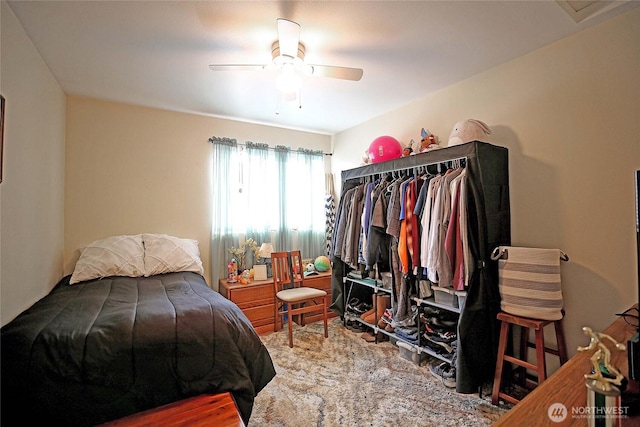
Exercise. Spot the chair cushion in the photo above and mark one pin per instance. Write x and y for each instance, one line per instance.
(296, 294)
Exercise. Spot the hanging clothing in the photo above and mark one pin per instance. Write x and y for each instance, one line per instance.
(413, 229)
(330, 213)
(453, 241)
(343, 212)
(354, 228)
(378, 244)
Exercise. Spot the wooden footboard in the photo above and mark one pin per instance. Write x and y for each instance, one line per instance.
(205, 410)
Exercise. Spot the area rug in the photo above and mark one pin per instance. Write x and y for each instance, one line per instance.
(345, 381)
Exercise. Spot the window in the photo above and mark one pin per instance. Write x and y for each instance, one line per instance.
(272, 195)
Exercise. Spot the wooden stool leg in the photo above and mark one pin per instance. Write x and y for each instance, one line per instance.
(524, 354)
(502, 347)
(540, 356)
(562, 346)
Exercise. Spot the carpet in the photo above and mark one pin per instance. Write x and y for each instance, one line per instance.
(345, 381)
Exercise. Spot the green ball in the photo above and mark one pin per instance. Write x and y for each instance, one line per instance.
(322, 263)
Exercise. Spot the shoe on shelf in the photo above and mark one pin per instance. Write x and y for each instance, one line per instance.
(387, 316)
(370, 319)
(445, 372)
(358, 307)
(353, 302)
(432, 343)
(368, 313)
(368, 336)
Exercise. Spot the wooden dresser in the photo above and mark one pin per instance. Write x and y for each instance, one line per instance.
(256, 299)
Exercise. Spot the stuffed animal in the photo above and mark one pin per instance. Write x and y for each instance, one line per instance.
(365, 159)
(468, 130)
(415, 146)
(428, 141)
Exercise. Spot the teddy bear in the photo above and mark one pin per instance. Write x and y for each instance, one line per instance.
(468, 130)
(365, 160)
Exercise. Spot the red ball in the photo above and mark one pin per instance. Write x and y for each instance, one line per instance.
(384, 148)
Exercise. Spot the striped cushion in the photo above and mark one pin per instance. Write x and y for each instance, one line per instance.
(529, 282)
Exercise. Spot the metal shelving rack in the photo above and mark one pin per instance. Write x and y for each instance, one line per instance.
(376, 285)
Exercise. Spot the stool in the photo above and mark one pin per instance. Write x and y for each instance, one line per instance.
(541, 368)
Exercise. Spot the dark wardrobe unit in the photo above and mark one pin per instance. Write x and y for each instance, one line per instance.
(488, 225)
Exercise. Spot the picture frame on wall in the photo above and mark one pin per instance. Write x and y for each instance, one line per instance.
(2, 102)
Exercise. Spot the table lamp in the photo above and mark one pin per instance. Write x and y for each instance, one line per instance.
(265, 253)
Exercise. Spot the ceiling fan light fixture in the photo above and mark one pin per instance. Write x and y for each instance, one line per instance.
(288, 81)
(287, 56)
(280, 58)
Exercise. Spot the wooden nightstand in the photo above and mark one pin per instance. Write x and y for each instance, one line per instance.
(256, 299)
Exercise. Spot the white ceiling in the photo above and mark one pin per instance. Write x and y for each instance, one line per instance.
(157, 53)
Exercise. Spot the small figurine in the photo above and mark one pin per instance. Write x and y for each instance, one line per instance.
(406, 151)
(232, 272)
(602, 355)
(245, 277)
(428, 141)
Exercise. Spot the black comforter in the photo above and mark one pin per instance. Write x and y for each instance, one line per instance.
(102, 349)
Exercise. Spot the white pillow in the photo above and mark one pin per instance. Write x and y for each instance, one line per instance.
(113, 256)
(166, 254)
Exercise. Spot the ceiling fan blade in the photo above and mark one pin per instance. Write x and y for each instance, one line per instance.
(288, 37)
(236, 67)
(344, 73)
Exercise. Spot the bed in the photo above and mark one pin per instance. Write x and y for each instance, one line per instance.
(101, 346)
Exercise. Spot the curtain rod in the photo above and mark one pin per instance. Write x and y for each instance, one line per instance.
(233, 141)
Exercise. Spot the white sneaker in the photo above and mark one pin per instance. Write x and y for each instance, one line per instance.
(445, 372)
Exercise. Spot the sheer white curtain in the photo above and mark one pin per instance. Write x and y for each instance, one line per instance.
(226, 167)
(269, 194)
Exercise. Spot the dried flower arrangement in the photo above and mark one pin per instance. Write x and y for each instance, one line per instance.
(240, 253)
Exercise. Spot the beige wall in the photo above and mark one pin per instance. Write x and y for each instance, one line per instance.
(134, 170)
(31, 193)
(570, 116)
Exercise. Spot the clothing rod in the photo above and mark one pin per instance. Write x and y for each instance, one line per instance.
(419, 165)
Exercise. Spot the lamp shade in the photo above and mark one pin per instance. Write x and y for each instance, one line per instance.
(265, 250)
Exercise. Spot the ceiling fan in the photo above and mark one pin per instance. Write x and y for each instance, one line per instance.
(288, 56)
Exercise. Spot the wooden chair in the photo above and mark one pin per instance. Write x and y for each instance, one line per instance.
(292, 298)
